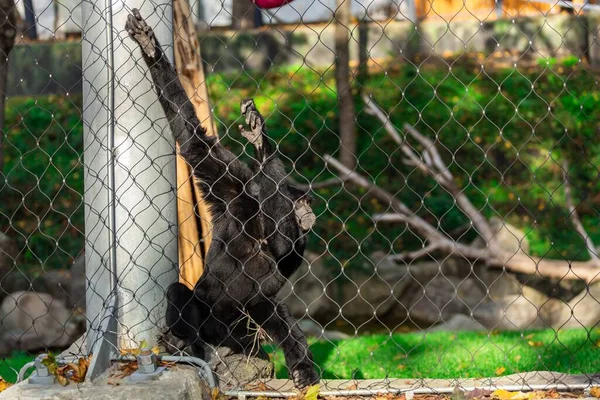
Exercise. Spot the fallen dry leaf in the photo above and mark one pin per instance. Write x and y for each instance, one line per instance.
(478, 394)
(595, 391)
(502, 394)
(4, 385)
(124, 370)
(354, 386)
(312, 392)
(535, 344)
(62, 380)
(500, 370)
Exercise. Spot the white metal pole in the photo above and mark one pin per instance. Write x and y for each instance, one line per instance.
(130, 176)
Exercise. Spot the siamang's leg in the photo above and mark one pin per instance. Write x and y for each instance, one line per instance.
(285, 208)
(212, 163)
(279, 324)
(183, 316)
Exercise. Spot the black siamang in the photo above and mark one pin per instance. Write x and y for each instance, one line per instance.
(259, 230)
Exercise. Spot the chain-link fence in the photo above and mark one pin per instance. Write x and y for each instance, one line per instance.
(409, 203)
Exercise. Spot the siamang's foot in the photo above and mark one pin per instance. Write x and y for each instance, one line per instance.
(304, 214)
(304, 375)
(139, 30)
(254, 121)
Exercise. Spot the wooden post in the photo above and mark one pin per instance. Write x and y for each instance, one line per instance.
(192, 212)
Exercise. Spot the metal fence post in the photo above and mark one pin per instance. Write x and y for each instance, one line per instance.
(130, 177)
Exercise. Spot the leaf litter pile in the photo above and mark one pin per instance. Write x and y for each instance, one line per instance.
(126, 368)
(71, 372)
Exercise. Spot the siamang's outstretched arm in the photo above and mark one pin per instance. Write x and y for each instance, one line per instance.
(222, 175)
(286, 210)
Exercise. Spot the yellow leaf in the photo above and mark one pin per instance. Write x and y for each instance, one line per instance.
(4, 385)
(214, 394)
(530, 336)
(401, 367)
(155, 350)
(62, 380)
(129, 352)
(500, 371)
(535, 344)
(312, 392)
(518, 358)
(502, 394)
(595, 391)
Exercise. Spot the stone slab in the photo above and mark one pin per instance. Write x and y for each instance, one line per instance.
(177, 383)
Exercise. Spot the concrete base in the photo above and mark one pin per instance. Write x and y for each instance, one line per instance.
(537, 380)
(179, 382)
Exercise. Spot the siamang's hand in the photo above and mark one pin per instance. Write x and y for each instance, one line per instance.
(139, 31)
(255, 122)
(304, 213)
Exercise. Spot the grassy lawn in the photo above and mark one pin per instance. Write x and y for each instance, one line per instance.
(454, 355)
(435, 355)
(9, 367)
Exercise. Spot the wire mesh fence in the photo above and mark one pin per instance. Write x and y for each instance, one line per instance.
(409, 202)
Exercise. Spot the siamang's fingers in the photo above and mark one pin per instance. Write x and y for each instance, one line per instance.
(256, 121)
(247, 105)
(304, 214)
(251, 136)
(139, 30)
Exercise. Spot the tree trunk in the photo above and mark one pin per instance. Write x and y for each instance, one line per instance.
(31, 27)
(245, 15)
(347, 125)
(8, 31)
(193, 215)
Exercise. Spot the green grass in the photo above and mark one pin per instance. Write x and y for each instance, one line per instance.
(434, 355)
(9, 367)
(454, 355)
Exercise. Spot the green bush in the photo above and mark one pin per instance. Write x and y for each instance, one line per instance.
(503, 132)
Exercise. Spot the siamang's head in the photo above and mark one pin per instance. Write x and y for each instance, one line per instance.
(304, 214)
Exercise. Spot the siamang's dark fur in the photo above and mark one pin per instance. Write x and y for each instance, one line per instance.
(259, 230)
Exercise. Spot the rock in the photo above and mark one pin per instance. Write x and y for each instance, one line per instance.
(32, 321)
(509, 237)
(232, 370)
(178, 382)
(442, 298)
(66, 285)
(311, 328)
(501, 284)
(78, 282)
(583, 310)
(529, 309)
(238, 370)
(459, 322)
(307, 293)
(9, 253)
(14, 281)
(56, 283)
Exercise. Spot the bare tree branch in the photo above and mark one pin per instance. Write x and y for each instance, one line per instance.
(574, 216)
(389, 217)
(419, 224)
(317, 185)
(413, 255)
(493, 254)
(434, 166)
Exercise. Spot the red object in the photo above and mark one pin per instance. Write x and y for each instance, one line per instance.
(271, 3)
